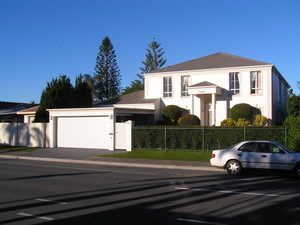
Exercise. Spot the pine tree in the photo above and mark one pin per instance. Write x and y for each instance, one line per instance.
(107, 74)
(154, 59)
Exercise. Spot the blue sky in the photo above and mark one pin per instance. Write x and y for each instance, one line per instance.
(42, 39)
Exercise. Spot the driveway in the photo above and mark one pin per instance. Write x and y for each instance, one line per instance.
(68, 153)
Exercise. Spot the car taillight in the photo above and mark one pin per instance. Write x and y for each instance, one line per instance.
(213, 155)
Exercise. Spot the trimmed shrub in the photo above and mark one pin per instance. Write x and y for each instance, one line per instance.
(242, 122)
(171, 114)
(229, 122)
(189, 120)
(260, 121)
(242, 110)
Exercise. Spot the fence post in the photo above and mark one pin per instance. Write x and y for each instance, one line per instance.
(165, 137)
(285, 135)
(203, 138)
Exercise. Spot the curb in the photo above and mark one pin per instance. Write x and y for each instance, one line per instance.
(123, 164)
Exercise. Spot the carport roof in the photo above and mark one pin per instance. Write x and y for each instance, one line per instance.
(137, 97)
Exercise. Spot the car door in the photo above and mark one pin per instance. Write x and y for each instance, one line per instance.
(249, 155)
(273, 157)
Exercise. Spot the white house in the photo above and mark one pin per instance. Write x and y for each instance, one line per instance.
(209, 86)
(206, 87)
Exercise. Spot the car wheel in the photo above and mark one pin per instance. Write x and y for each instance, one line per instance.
(234, 167)
(297, 170)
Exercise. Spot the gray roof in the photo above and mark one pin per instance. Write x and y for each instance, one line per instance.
(11, 110)
(137, 97)
(217, 60)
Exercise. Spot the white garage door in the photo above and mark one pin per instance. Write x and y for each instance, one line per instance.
(83, 132)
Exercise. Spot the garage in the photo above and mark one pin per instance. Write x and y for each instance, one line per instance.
(82, 128)
(83, 132)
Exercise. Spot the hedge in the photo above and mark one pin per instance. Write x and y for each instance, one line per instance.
(201, 138)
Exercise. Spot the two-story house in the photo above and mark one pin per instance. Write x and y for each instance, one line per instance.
(209, 86)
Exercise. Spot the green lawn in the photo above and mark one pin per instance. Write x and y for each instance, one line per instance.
(165, 155)
(8, 148)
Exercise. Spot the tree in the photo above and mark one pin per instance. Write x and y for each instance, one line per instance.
(136, 85)
(293, 105)
(83, 93)
(60, 93)
(154, 60)
(107, 77)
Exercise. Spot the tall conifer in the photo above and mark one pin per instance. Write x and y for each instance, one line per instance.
(107, 74)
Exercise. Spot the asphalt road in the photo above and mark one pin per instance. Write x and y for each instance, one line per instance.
(35, 192)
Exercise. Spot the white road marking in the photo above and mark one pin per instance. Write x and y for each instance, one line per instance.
(229, 192)
(200, 221)
(34, 216)
(51, 201)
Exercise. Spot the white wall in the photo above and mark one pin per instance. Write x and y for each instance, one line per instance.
(25, 134)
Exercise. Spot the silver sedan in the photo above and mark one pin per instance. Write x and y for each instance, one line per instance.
(256, 155)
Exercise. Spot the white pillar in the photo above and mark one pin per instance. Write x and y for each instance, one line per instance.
(213, 110)
(193, 103)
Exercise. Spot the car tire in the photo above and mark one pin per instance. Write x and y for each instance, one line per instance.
(234, 167)
(297, 170)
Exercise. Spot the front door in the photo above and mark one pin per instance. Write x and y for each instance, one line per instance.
(207, 113)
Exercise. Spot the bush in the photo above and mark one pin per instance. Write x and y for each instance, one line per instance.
(242, 122)
(189, 120)
(171, 114)
(293, 105)
(242, 110)
(293, 126)
(260, 121)
(229, 122)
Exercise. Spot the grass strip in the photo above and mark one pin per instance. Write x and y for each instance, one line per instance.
(199, 156)
(8, 148)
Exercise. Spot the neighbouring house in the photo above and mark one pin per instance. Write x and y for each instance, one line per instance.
(209, 86)
(9, 111)
(28, 114)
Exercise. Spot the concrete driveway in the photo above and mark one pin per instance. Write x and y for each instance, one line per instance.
(69, 153)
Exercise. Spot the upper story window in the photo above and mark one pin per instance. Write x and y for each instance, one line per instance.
(167, 86)
(256, 87)
(234, 83)
(184, 85)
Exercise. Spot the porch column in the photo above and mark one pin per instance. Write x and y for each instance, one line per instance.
(193, 103)
(213, 109)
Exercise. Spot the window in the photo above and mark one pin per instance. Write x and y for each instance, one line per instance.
(255, 82)
(167, 86)
(184, 85)
(234, 83)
